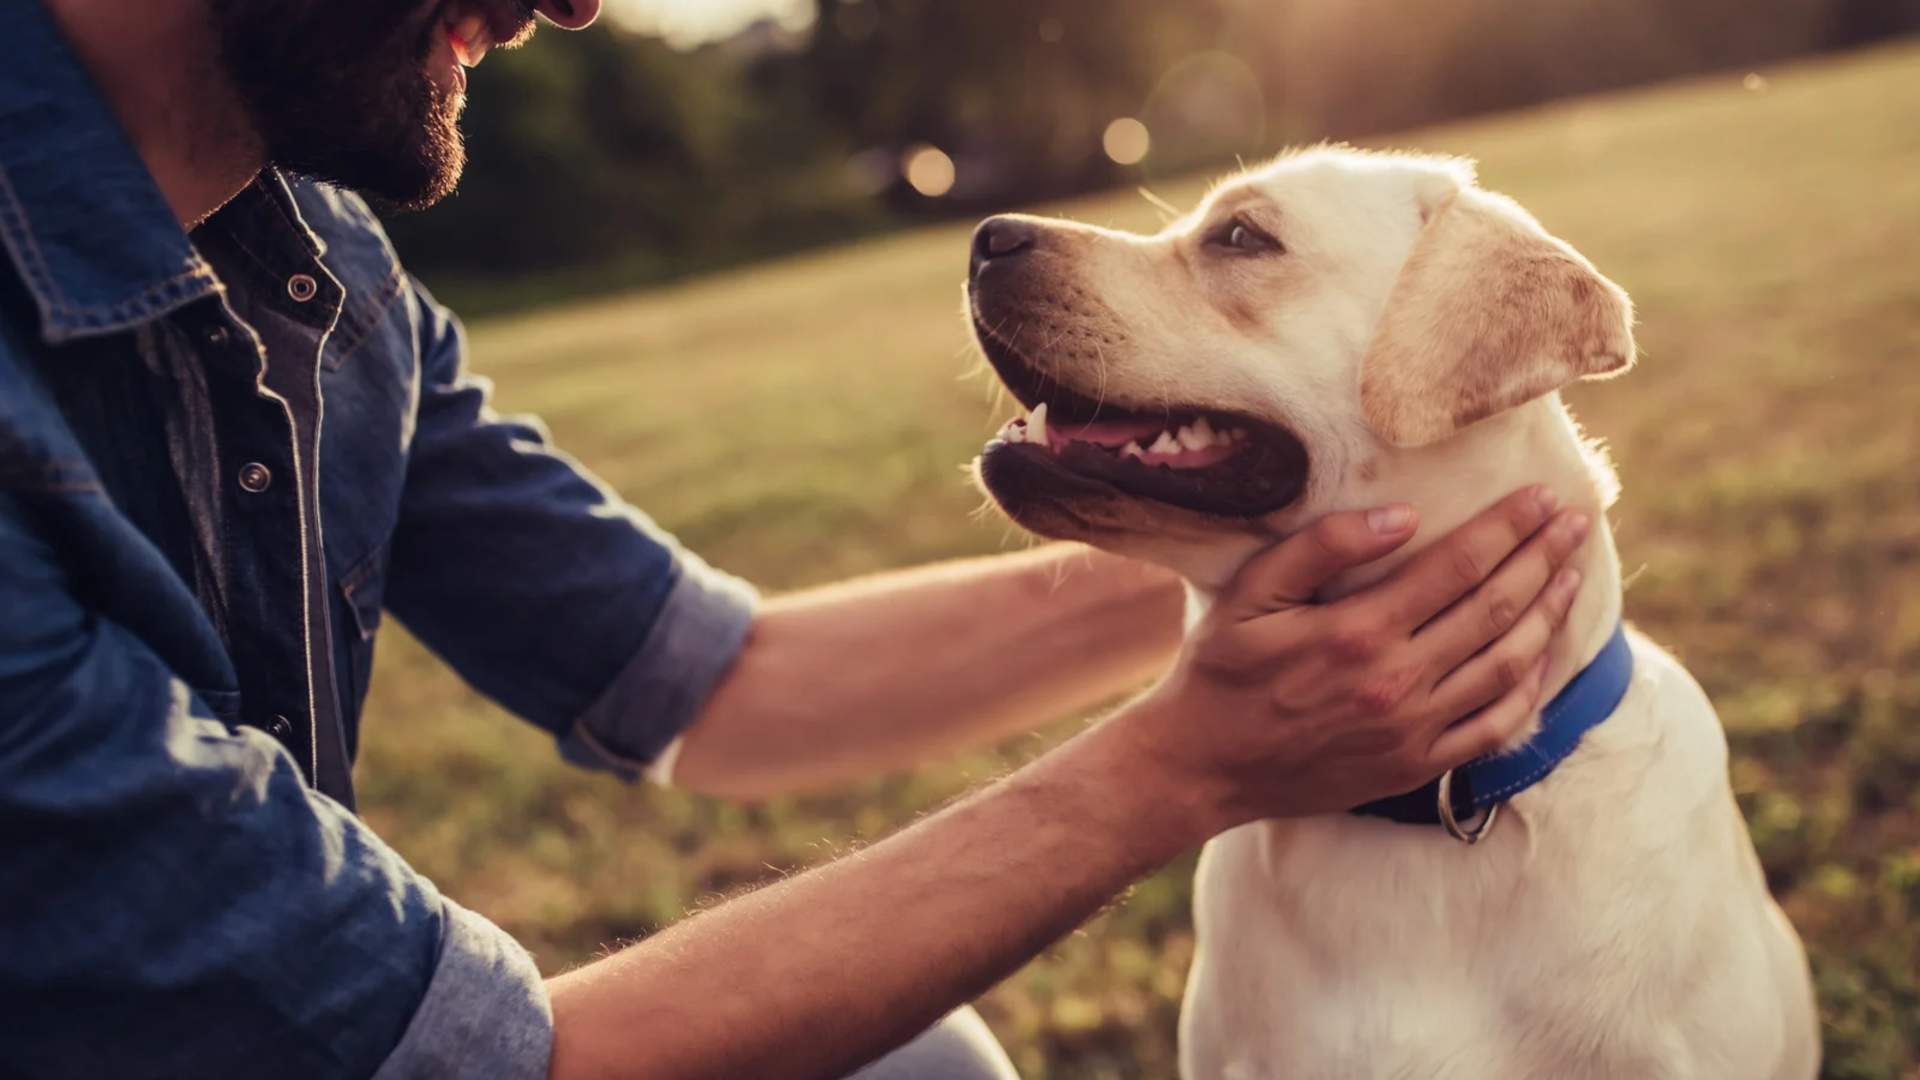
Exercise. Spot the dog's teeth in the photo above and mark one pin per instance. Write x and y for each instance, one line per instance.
(1194, 437)
(1132, 449)
(1165, 444)
(1037, 425)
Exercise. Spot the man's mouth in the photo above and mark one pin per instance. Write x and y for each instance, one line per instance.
(467, 31)
(470, 41)
(472, 27)
(1215, 461)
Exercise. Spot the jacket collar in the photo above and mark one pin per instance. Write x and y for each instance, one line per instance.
(81, 219)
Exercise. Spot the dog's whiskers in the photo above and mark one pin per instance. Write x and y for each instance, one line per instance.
(1168, 212)
(1100, 393)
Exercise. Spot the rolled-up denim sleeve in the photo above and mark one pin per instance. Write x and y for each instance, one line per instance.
(540, 586)
(179, 903)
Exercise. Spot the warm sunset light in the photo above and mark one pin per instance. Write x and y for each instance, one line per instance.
(888, 391)
(688, 23)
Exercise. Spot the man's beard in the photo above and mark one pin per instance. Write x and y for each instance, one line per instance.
(339, 91)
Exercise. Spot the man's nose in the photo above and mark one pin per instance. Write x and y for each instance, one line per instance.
(570, 14)
(1002, 238)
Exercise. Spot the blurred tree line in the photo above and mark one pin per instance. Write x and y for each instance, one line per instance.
(608, 158)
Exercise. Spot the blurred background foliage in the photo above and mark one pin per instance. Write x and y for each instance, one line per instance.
(613, 158)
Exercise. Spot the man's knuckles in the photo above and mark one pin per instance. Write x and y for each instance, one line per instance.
(1382, 693)
(1354, 640)
(1502, 610)
(1511, 666)
(1467, 563)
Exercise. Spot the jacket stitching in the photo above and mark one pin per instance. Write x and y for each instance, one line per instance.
(25, 249)
(375, 313)
(61, 313)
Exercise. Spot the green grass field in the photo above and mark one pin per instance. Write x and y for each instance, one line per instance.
(806, 420)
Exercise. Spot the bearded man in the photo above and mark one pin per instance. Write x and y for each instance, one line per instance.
(234, 432)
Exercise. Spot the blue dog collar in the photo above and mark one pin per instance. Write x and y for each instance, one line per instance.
(1479, 787)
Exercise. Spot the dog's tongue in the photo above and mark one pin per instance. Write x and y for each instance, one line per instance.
(1110, 433)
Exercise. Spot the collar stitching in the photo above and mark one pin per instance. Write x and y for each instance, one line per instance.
(19, 238)
(1526, 780)
(61, 319)
(388, 291)
(1549, 715)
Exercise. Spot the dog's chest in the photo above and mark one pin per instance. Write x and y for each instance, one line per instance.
(1343, 947)
(1365, 971)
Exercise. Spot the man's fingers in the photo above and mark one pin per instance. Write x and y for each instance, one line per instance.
(1503, 666)
(1431, 581)
(1490, 728)
(1289, 573)
(1496, 607)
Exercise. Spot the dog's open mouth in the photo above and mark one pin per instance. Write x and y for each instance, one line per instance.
(1213, 461)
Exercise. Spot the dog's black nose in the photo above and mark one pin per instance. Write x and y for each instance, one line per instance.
(1001, 238)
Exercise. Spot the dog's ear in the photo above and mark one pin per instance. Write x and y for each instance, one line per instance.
(1489, 312)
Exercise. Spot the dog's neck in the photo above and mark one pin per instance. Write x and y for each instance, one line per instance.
(1537, 443)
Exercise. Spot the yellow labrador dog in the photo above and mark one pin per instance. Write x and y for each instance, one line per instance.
(1340, 330)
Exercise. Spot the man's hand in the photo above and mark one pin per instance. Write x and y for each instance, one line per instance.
(1280, 707)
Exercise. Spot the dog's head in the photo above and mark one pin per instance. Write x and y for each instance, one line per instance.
(1196, 393)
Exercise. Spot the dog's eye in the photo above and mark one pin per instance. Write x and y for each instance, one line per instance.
(1243, 238)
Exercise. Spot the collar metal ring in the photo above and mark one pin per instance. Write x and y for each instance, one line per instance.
(1466, 834)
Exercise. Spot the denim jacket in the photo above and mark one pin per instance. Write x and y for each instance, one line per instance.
(222, 457)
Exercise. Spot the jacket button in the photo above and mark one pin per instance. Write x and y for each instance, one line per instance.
(255, 477)
(302, 287)
(280, 728)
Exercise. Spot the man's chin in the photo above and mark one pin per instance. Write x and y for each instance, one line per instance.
(402, 173)
(433, 182)
(341, 91)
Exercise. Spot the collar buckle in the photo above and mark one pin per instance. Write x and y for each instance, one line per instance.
(1476, 828)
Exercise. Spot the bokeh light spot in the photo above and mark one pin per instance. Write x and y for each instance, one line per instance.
(1754, 81)
(1208, 107)
(929, 170)
(1127, 141)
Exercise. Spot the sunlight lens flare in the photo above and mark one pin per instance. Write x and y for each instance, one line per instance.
(1127, 141)
(929, 170)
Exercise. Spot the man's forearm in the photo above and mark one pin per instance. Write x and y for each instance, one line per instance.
(852, 680)
(824, 971)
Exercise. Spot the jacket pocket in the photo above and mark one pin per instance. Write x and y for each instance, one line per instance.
(361, 590)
